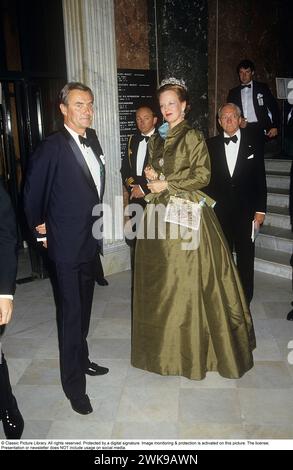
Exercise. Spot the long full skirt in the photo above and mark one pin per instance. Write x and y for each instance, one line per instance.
(190, 315)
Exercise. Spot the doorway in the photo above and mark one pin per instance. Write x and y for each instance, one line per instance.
(21, 129)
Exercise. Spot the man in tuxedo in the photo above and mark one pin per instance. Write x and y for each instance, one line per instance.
(238, 185)
(288, 128)
(135, 160)
(290, 314)
(65, 181)
(259, 109)
(100, 279)
(9, 413)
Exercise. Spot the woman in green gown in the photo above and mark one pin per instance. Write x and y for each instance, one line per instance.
(190, 315)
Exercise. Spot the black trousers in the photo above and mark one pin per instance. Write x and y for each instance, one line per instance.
(100, 271)
(6, 396)
(238, 235)
(73, 286)
(257, 136)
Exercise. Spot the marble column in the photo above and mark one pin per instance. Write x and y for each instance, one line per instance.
(182, 51)
(89, 31)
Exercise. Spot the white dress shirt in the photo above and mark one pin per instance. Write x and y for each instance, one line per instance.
(90, 158)
(231, 151)
(141, 153)
(247, 103)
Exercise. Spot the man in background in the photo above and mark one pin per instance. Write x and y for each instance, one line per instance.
(238, 185)
(9, 413)
(259, 108)
(290, 314)
(135, 161)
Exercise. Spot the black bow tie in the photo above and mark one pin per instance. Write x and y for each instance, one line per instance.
(234, 139)
(144, 137)
(84, 141)
(246, 86)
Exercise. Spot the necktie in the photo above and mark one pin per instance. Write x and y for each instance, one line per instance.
(246, 86)
(84, 141)
(144, 137)
(227, 140)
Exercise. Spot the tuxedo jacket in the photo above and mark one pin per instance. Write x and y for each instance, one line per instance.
(288, 123)
(60, 191)
(291, 199)
(8, 244)
(263, 100)
(243, 193)
(128, 168)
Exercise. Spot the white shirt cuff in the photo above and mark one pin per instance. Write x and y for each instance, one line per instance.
(4, 296)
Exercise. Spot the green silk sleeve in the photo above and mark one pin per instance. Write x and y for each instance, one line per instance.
(199, 172)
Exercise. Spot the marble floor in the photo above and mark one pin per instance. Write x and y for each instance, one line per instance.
(132, 404)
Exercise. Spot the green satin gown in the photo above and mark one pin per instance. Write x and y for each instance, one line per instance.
(190, 315)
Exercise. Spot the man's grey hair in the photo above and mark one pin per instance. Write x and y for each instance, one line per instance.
(233, 105)
(63, 95)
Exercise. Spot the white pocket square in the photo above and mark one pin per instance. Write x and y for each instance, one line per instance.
(250, 156)
(103, 159)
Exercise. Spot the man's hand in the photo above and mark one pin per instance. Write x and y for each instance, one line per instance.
(6, 307)
(273, 132)
(41, 229)
(136, 191)
(243, 123)
(259, 218)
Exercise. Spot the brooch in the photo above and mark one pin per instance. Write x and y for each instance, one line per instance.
(161, 162)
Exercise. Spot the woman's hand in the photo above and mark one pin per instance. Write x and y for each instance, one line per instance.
(150, 173)
(157, 186)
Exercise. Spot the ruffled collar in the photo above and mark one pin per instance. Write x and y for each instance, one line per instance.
(167, 132)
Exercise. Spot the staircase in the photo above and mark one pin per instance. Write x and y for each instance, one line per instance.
(274, 244)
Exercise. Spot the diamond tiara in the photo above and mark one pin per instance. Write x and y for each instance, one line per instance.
(173, 81)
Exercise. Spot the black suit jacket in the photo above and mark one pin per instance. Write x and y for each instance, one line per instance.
(60, 191)
(8, 244)
(288, 124)
(128, 168)
(245, 192)
(263, 100)
(291, 199)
